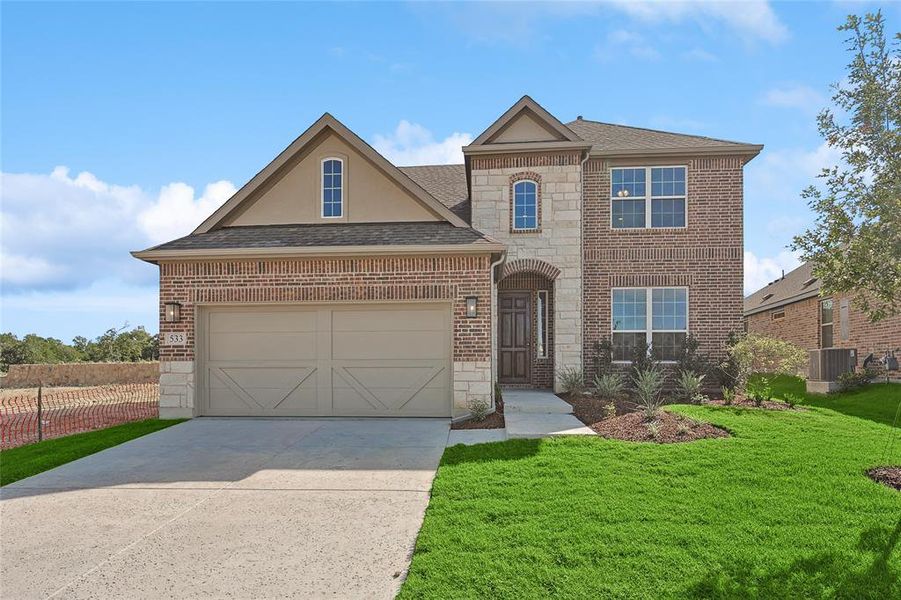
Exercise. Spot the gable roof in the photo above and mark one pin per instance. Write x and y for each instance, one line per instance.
(447, 183)
(793, 286)
(542, 116)
(607, 138)
(328, 122)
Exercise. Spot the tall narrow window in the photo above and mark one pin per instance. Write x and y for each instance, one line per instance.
(826, 323)
(628, 191)
(668, 197)
(541, 324)
(525, 205)
(332, 188)
(630, 323)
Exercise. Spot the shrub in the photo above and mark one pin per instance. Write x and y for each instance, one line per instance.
(644, 357)
(571, 381)
(759, 354)
(689, 385)
(760, 390)
(609, 410)
(603, 356)
(690, 359)
(792, 399)
(683, 429)
(854, 380)
(648, 384)
(728, 395)
(478, 407)
(608, 385)
(654, 428)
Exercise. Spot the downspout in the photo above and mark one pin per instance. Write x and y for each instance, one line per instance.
(582, 251)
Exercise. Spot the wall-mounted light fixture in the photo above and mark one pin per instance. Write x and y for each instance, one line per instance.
(173, 312)
(472, 307)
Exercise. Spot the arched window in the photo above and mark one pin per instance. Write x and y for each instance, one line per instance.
(525, 205)
(332, 188)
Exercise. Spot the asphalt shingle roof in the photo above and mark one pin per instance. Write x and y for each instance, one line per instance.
(329, 234)
(610, 137)
(447, 183)
(784, 290)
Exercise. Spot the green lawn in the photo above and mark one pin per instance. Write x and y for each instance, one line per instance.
(782, 509)
(25, 461)
(876, 402)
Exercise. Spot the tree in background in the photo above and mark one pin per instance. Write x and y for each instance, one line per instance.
(855, 245)
(115, 345)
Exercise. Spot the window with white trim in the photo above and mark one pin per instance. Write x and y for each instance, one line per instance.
(655, 316)
(525, 205)
(826, 323)
(541, 324)
(647, 197)
(332, 188)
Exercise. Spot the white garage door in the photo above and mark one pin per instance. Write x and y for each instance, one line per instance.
(337, 360)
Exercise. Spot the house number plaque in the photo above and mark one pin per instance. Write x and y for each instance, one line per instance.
(176, 338)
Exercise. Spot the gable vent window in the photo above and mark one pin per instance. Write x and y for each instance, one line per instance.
(778, 315)
(332, 188)
(525, 205)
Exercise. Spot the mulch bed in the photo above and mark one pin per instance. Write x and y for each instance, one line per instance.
(631, 426)
(493, 421)
(748, 403)
(890, 476)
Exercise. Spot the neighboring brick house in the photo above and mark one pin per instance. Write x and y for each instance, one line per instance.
(335, 283)
(792, 308)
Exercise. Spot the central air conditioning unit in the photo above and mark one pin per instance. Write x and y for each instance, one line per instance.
(826, 364)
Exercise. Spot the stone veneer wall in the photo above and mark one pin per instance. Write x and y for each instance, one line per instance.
(558, 241)
(706, 256)
(322, 280)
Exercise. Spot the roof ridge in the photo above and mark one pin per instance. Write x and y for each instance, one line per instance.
(434, 165)
(706, 137)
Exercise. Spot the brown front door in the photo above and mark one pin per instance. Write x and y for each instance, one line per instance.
(514, 336)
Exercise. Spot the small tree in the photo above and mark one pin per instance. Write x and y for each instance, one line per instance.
(855, 245)
(767, 356)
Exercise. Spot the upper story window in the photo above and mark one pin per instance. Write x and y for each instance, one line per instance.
(332, 188)
(643, 197)
(525, 205)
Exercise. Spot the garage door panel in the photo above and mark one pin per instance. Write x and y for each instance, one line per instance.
(394, 344)
(390, 320)
(261, 321)
(388, 360)
(263, 346)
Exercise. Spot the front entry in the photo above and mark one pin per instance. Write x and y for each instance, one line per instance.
(514, 337)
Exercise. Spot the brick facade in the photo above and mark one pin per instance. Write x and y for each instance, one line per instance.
(706, 256)
(800, 326)
(318, 280)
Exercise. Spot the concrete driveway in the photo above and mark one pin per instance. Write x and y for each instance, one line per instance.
(227, 508)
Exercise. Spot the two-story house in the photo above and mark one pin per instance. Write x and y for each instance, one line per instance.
(336, 283)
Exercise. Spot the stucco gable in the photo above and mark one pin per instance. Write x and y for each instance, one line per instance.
(287, 189)
(526, 121)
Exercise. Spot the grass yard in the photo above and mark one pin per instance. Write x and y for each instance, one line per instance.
(782, 509)
(25, 461)
(876, 402)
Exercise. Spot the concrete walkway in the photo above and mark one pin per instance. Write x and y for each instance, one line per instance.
(539, 413)
(227, 508)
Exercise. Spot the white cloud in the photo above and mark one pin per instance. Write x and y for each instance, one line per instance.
(61, 232)
(801, 97)
(700, 55)
(413, 144)
(620, 41)
(751, 19)
(176, 212)
(761, 271)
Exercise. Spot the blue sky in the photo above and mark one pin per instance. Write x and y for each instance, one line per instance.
(126, 124)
